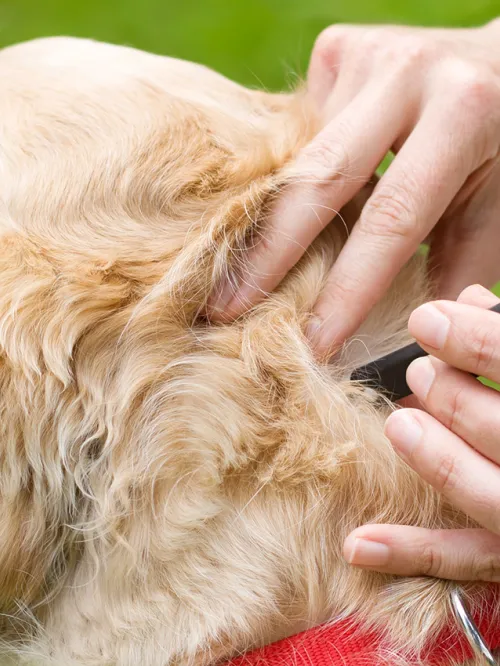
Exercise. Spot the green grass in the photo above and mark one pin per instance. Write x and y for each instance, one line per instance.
(257, 42)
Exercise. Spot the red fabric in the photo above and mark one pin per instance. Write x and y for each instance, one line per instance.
(340, 644)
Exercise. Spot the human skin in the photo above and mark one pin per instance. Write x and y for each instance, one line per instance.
(433, 97)
(453, 442)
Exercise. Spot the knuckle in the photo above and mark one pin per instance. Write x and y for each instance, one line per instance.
(377, 39)
(445, 475)
(417, 47)
(328, 44)
(458, 405)
(388, 213)
(475, 88)
(265, 246)
(430, 560)
(327, 159)
(476, 92)
(486, 567)
(335, 293)
(398, 51)
(407, 53)
(482, 350)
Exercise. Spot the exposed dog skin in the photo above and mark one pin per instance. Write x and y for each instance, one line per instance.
(174, 492)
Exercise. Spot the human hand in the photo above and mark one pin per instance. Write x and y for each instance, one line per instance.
(455, 446)
(433, 97)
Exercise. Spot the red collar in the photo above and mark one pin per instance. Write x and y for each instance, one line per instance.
(342, 644)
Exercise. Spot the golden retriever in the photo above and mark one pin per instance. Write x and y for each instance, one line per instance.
(174, 492)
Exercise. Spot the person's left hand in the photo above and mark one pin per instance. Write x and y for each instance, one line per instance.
(432, 96)
(454, 445)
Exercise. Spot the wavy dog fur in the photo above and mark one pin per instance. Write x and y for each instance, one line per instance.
(174, 493)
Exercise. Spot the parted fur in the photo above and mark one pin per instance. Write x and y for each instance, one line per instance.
(173, 492)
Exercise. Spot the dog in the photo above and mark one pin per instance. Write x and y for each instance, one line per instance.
(175, 492)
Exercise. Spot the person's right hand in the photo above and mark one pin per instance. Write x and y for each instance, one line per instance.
(433, 97)
(453, 443)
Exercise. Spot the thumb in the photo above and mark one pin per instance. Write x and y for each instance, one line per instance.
(468, 554)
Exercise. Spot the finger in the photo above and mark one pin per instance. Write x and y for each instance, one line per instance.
(477, 295)
(464, 336)
(327, 174)
(469, 554)
(338, 69)
(407, 203)
(324, 66)
(450, 465)
(411, 402)
(459, 402)
(464, 248)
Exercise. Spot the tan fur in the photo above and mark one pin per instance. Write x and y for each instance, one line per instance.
(174, 492)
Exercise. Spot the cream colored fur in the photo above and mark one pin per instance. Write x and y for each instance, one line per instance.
(173, 492)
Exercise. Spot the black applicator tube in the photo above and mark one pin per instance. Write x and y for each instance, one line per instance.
(388, 373)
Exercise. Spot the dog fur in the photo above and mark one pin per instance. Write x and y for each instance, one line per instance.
(174, 492)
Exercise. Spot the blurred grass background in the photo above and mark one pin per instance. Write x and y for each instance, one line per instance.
(257, 42)
(263, 43)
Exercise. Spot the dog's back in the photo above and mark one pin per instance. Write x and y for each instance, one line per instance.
(174, 492)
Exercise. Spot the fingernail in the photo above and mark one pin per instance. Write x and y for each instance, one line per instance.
(404, 432)
(420, 376)
(366, 553)
(224, 296)
(323, 338)
(313, 328)
(429, 326)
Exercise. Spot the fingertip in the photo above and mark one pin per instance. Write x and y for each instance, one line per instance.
(420, 377)
(398, 418)
(217, 314)
(479, 296)
(329, 327)
(320, 338)
(429, 325)
(313, 329)
(404, 431)
(349, 547)
(235, 301)
(366, 552)
(216, 309)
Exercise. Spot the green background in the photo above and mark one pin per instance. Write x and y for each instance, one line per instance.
(258, 42)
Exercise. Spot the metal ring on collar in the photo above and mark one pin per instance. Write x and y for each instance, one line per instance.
(466, 622)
